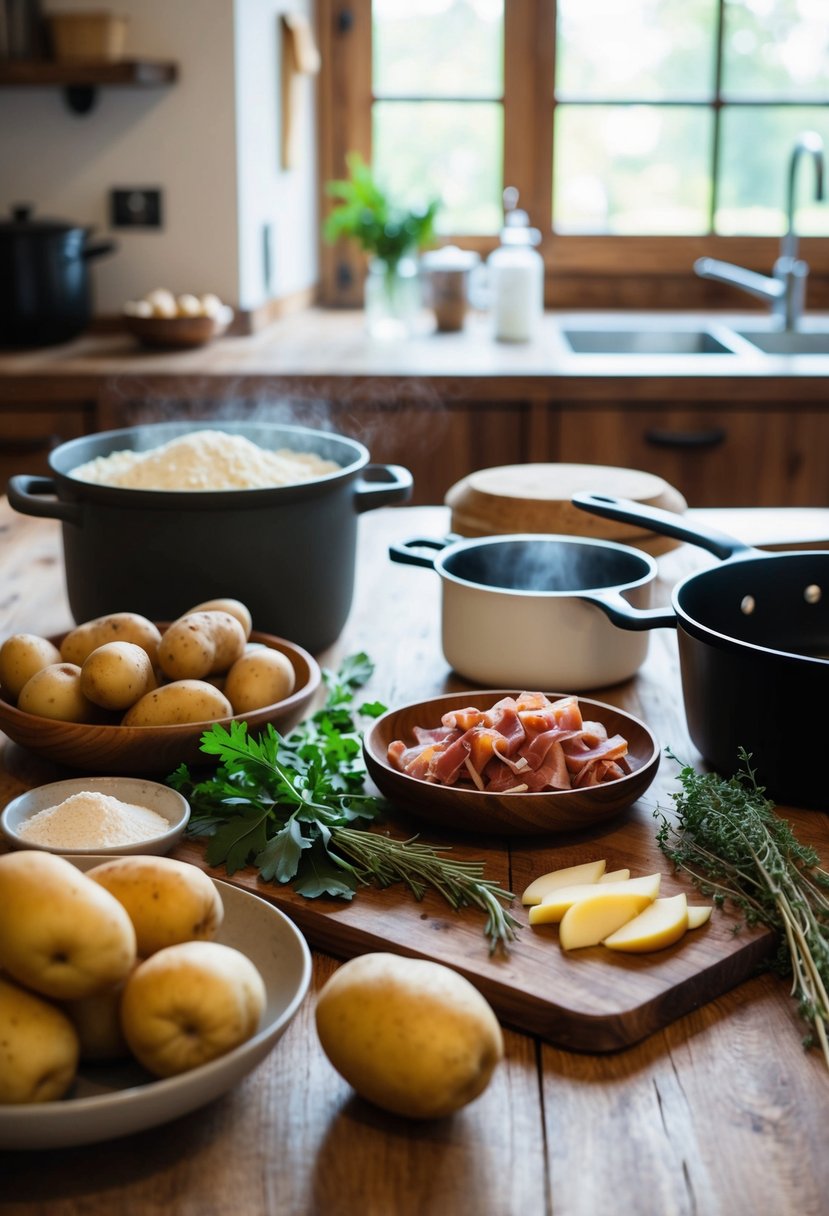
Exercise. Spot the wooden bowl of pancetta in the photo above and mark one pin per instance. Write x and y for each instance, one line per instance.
(511, 763)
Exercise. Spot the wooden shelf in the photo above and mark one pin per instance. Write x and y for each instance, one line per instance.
(80, 81)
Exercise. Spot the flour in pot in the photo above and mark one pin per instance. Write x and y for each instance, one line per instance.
(205, 460)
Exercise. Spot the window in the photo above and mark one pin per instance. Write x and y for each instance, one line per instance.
(640, 135)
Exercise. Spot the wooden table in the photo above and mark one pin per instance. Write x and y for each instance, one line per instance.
(718, 1114)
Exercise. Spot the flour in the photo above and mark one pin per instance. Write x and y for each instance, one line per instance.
(205, 460)
(92, 820)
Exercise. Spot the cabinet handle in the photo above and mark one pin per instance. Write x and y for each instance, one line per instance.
(28, 446)
(711, 438)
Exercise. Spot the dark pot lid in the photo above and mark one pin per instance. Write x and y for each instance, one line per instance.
(23, 222)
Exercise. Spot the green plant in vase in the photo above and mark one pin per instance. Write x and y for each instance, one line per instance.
(391, 233)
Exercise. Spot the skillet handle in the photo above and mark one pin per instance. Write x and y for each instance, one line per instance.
(666, 523)
(617, 609)
(403, 551)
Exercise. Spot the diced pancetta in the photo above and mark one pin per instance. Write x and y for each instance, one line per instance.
(521, 744)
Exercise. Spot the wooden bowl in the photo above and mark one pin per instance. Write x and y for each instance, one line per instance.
(142, 750)
(177, 333)
(453, 808)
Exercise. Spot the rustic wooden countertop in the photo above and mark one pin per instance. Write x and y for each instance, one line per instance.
(316, 347)
(722, 1112)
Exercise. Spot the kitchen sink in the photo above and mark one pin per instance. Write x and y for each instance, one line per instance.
(796, 342)
(654, 341)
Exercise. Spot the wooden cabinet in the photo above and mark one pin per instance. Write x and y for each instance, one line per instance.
(30, 430)
(715, 456)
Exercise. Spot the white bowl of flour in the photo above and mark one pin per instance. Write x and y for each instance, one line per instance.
(97, 815)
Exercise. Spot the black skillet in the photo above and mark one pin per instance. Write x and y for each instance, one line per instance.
(753, 638)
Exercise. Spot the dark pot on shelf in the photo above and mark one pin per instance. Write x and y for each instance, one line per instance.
(45, 289)
(288, 552)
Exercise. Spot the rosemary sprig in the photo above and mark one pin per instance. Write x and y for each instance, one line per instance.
(288, 805)
(728, 838)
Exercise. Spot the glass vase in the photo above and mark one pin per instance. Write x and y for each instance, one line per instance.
(392, 298)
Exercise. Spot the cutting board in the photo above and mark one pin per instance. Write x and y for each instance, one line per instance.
(587, 1000)
(537, 497)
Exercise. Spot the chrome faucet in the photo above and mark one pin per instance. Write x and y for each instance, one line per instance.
(785, 288)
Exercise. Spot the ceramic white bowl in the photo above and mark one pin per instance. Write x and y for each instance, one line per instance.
(133, 790)
(114, 1100)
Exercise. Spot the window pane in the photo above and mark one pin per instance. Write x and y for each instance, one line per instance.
(452, 150)
(776, 49)
(632, 169)
(438, 48)
(755, 151)
(645, 49)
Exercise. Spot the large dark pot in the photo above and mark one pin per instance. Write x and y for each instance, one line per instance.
(753, 636)
(287, 552)
(45, 291)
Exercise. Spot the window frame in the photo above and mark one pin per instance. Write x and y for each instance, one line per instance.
(581, 271)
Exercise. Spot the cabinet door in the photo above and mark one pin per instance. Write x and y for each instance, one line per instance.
(29, 432)
(716, 457)
(439, 444)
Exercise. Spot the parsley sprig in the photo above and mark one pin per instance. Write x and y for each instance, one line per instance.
(734, 846)
(292, 804)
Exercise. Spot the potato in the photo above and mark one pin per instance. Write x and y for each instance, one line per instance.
(411, 1036)
(189, 1004)
(55, 692)
(38, 1047)
(168, 901)
(201, 644)
(115, 627)
(61, 934)
(97, 1022)
(180, 701)
(261, 677)
(234, 607)
(21, 656)
(116, 675)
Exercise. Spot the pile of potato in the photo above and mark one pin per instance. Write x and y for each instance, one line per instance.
(121, 669)
(163, 303)
(119, 961)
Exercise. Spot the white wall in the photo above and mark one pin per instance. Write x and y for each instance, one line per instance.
(269, 195)
(210, 141)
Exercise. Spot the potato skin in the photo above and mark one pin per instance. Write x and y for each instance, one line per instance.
(116, 675)
(200, 644)
(261, 677)
(55, 692)
(21, 655)
(180, 701)
(39, 1047)
(234, 607)
(114, 627)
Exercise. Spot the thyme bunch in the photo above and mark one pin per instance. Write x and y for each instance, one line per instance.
(727, 837)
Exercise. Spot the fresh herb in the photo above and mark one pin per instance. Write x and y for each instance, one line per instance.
(728, 838)
(289, 804)
(379, 224)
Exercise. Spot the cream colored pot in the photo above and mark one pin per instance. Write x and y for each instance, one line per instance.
(512, 616)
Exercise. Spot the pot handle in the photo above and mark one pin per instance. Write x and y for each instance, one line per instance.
(97, 251)
(403, 552)
(666, 523)
(617, 609)
(25, 494)
(382, 484)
